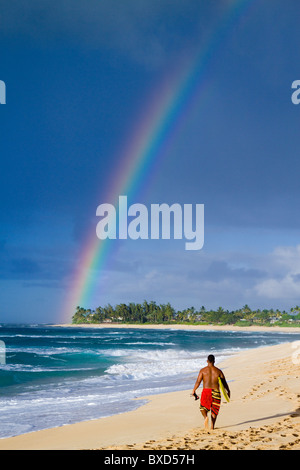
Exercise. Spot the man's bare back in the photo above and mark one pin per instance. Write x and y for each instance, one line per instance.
(209, 376)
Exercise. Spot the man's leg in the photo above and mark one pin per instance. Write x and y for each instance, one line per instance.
(216, 402)
(204, 414)
(213, 420)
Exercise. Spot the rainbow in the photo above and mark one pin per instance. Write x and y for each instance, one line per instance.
(160, 123)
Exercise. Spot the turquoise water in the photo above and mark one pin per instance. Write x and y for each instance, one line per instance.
(55, 376)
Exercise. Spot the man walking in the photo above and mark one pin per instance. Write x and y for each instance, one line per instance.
(210, 397)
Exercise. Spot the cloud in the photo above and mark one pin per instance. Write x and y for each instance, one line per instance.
(284, 289)
(43, 266)
(221, 270)
(146, 31)
(228, 279)
(283, 281)
(180, 277)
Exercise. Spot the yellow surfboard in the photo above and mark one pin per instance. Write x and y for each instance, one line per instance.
(223, 390)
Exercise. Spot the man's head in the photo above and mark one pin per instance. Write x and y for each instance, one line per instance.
(211, 359)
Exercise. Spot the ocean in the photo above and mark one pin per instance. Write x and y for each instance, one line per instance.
(53, 376)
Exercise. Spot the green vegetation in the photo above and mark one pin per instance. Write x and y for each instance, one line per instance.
(151, 313)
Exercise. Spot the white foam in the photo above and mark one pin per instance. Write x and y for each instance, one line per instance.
(161, 363)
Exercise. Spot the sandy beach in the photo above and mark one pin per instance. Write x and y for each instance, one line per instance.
(263, 413)
(178, 326)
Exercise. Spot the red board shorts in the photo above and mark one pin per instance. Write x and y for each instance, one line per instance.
(210, 400)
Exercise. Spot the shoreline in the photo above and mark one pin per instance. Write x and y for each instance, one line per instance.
(178, 326)
(264, 411)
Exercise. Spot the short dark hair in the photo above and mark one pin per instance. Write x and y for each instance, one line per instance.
(211, 358)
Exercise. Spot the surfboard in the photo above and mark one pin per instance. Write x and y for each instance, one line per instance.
(223, 390)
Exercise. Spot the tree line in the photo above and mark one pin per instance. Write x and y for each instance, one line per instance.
(153, 313)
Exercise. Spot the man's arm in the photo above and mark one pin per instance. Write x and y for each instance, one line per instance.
(198, 381)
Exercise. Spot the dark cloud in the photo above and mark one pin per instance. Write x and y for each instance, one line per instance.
(42, 266)
(146, 31)
(219, 270)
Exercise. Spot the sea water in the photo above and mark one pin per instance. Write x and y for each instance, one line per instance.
(54, 375)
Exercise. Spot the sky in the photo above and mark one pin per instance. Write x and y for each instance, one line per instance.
(80, 81)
